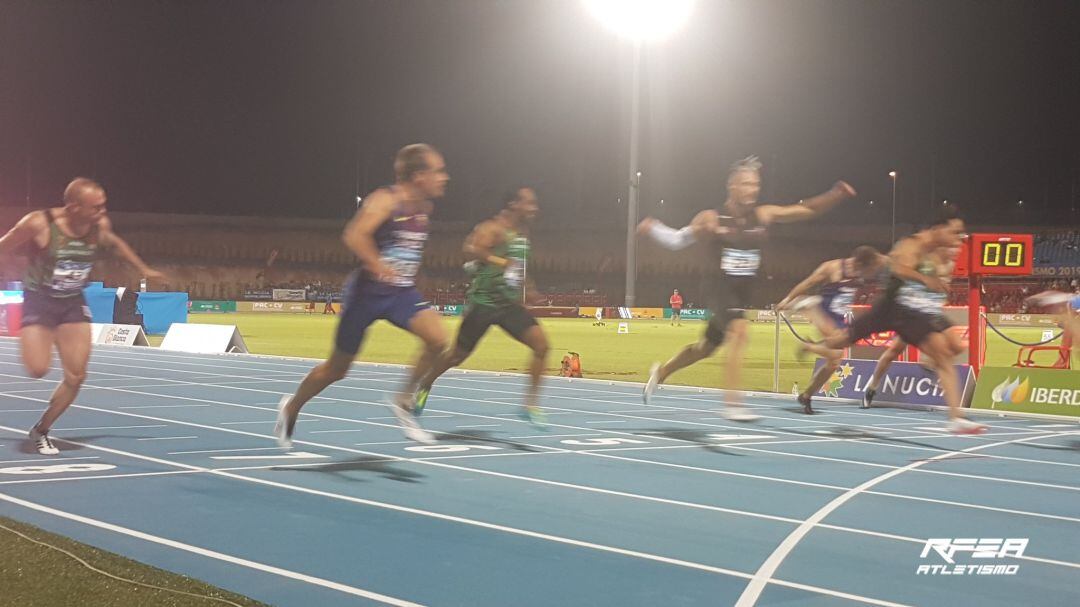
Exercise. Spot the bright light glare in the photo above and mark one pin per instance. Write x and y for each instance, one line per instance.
(641, 19)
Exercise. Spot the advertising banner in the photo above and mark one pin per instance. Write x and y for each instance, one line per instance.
(289, 294)
(903, 384)
(1050, 391)
(273, 306)
(258, 294)
(211, 306)
(451, 309)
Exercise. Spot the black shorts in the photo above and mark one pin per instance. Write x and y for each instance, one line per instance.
(886, 315)
(47, 311)
(514, 319)
(730, 300)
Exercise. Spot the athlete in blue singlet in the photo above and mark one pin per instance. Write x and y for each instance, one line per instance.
(388, 235)
(830, 309)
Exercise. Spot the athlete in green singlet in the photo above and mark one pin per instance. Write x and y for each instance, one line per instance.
(499, 250)
(64, 244)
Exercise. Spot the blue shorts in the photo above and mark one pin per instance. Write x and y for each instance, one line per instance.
(841, 321)
(361, 308)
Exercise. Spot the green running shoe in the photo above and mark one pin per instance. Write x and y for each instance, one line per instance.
(420, 399)
(535, 416)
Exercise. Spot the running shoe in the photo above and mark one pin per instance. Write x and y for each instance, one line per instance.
(42, 443)
(963, 425)
(651, 385)
(283, 429)
(868, 398)
(409, 426)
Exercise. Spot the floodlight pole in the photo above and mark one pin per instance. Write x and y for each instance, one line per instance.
(634, 180)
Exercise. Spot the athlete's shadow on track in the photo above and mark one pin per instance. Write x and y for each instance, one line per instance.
(859, 434)
(1073, 445)
(701, 437)
(482, 436)
(25, 446)
(371, 465)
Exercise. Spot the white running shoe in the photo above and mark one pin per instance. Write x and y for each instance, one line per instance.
(409, 426)
(42, 443)
(651, 385)
(739, 413)
(963, 425)
(281, 428)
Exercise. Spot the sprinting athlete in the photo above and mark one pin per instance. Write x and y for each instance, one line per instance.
(732, 237)
(837, 281)
(910, 306)
(499, 249)
(944, 260)
(388, 235)
(64, 244)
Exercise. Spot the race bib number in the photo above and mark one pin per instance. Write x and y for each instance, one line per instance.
(405, 270)
(71, 276)
(740, 262)
(514, 273)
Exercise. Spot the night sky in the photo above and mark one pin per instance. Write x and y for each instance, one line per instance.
(289, 108)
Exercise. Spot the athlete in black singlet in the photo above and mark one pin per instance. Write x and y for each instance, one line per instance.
(732, 237)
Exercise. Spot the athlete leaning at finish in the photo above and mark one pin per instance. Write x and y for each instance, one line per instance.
(731, 238)
(388, 235)
(498, 250)
(909, 307)
(944, 259)
(837, 282)
(64, 242)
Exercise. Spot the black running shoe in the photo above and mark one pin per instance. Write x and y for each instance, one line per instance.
(868, 398)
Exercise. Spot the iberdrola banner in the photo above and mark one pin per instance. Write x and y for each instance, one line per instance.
(1051, 391)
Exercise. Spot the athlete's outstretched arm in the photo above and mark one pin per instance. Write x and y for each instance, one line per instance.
(21, 232)
(359, 234)
(702, 226)
(810, 207)
(110, 240)
(819, 276)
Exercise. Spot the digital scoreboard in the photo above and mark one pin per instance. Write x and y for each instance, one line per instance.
(996, 255)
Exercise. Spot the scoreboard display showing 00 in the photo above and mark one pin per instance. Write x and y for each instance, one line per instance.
(997, 255)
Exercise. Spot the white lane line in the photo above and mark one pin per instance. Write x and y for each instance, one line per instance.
(335, 431)
(471, 522)
(480, 426)
(228, 558)
(110, 427)
(609, 421)
(753, 590)
(168, 438)
(162, 406)
(46, 459)
(225, 450)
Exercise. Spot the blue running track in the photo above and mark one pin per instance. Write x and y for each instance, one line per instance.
(169, 459)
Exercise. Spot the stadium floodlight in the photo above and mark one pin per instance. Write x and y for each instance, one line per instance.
(641, 21)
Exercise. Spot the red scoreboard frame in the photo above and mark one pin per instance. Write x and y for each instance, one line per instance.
(996, 255)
